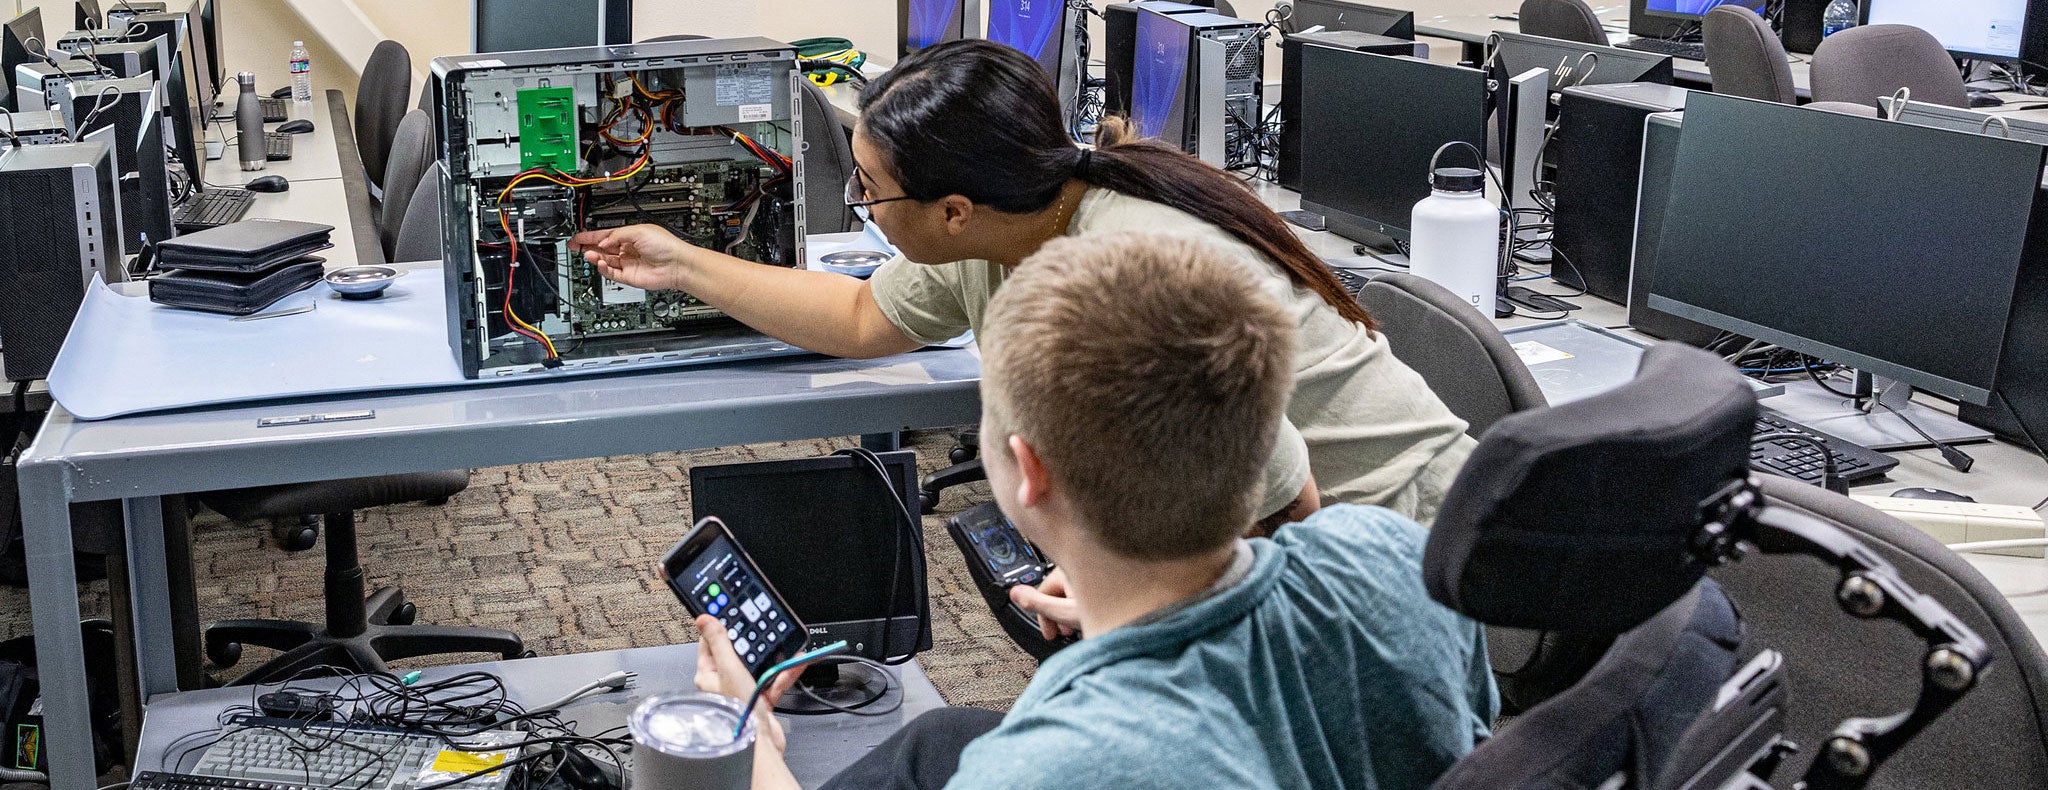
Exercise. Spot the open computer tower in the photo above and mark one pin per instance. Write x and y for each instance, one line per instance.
(698, 136)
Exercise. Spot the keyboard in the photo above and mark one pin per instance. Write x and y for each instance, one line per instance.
(154, 780)
(1677, 49)
(288, 753)
(1801, 461)
(213, 208)
(1353, 282)
(277, 146)
(275, 110)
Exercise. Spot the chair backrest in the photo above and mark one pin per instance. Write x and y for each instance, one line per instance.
(1748, 59)
(1567, 20)
(1454, 348)
(1861, 64)
(828, 164)
(1837, 666)
(419, 233)
(380, 104)
(412, 152)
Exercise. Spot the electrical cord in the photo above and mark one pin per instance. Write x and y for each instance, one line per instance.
(1830, 477)
(1955, 458)
(912, 525)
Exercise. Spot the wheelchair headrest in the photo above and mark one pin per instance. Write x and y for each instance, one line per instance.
(1578, 517)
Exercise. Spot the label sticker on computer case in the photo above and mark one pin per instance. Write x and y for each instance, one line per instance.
(757, 112)
(744, 84)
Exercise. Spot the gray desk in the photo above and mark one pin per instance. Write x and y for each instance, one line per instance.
(314, 155)
(819, 746)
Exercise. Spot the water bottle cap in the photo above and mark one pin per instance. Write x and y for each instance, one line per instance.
(298, 43)
(1457, 179)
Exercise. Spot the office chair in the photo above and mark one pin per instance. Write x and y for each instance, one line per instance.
(360, 633)
(828, 159)
(1605, 515)
(1566, 20)
(1863, 63)
(380, 105)
(426, 101)
(419, 233)
(1458, 351)
(412, 152)
(1748, 59)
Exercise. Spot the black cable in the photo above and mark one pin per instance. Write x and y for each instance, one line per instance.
(1956, 458)
(1830, 476)
(1823, 382)
(858, 708)
(913, 525)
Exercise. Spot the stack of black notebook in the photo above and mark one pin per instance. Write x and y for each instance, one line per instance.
(239, 268)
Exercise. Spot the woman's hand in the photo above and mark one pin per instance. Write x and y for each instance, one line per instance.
(642, 256)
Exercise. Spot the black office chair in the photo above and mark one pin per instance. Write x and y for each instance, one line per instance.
(1604, 515)
(361, 633)
(419, 233)
(1748, 58)
(380, 104)
(1864, 63)
(1566, 20)
(411, 158)
(828, 160)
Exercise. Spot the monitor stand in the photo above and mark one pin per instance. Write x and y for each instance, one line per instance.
(1878, 429)
(824, 682)
(1308, 220)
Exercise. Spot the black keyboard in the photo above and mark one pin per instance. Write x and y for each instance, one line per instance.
(213, 208)
(152, 780)
(1677, 49)
(1352, 281)
(277, 146)
(275, 110)
(1801, 461)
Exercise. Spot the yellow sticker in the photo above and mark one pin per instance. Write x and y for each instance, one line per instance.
(454, 762)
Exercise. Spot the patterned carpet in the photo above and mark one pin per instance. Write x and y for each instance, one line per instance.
(560, 553)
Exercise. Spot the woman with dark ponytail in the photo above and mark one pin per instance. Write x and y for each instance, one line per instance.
(963, 161)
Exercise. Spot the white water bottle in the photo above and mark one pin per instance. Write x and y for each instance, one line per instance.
(1454, 236)
(302, 73)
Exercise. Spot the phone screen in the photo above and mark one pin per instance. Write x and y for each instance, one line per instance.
(711, 575)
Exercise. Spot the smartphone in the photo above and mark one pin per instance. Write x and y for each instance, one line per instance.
(711, 574)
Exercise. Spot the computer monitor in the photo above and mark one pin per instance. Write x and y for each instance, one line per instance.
(209, 22)
(189, 106)
(1982, 29)
(1897, 253)
(1571, 63)
(1356, 17)
(1676, 18)
(1043, 29)
(89, 15)
(21, 41)
(831, 537)
(1370, 124)
(514, 25)
(922, 23)
(201, 67)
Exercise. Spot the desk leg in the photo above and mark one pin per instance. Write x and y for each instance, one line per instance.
(150, 596)
(60, 652)
(185, 632)
(882, 442)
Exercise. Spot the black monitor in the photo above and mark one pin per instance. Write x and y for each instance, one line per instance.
(1676, 19)
(1977, 29)
(190, 105)
(514, 25)
(1369, 126)
(1890, 247)
(830, 536)
(922, 23)
(89, 15)
(21, 41)
(1571, 63)
(1356, 17)
(209, 23)
(200, 67)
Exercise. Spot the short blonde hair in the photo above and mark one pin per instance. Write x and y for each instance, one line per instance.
(1150, 373)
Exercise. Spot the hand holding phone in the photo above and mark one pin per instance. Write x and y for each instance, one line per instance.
(713, 576)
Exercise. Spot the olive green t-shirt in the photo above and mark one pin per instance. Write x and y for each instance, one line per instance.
(1367, 426)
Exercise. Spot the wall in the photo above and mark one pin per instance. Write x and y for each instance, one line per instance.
(257, 37)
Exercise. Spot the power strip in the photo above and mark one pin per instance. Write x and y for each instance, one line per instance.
(1965, 522)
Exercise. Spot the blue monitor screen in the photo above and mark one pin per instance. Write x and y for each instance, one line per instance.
(1158, 85)
(1032, 26)
(1699, 7)
(929, 21)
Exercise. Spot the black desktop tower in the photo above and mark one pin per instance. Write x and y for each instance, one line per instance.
(1660, 157)
(1119, 45)
(36, 127)
(1799, 24)
(132, 112)
(125, 59)
(32, 80)
(57, 228)
(2018, 411)
(1290, 86)
(1598, 150)
(122, 13)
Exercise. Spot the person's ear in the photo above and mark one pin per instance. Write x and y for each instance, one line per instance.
(1034, 486)
(956, 211)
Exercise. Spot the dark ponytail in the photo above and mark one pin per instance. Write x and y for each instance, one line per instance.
(982, 120)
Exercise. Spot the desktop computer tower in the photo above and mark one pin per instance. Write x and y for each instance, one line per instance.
(124, 58)
(1598, 150)
(1120, 46)
(78, 41)
(119, 16)
(32, 80)
(1659, 159)
(132, 109)
(1290, 85)
(35, 127)
(58, 228)
(1197, 83)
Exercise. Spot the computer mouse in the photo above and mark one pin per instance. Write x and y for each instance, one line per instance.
(1930, 493)
(1985, 99)
(300, 126)
(282, 93)
(268, 184)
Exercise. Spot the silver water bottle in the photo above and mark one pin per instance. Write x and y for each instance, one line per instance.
(249, 124)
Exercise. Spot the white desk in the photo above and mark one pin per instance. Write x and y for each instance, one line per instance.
(314, 154)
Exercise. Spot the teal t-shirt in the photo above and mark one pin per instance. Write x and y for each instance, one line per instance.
(1328, 666)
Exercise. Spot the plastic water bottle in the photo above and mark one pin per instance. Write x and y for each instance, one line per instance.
(1839, 16)
(1454, 237)
(302, 73)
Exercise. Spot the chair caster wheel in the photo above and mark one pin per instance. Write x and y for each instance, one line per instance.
(528, 653)
(960, 454)
(223, 654)
(405, 614)
(927, 502)
(298, 535)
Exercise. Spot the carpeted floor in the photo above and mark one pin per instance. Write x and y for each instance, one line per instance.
(561, 554)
